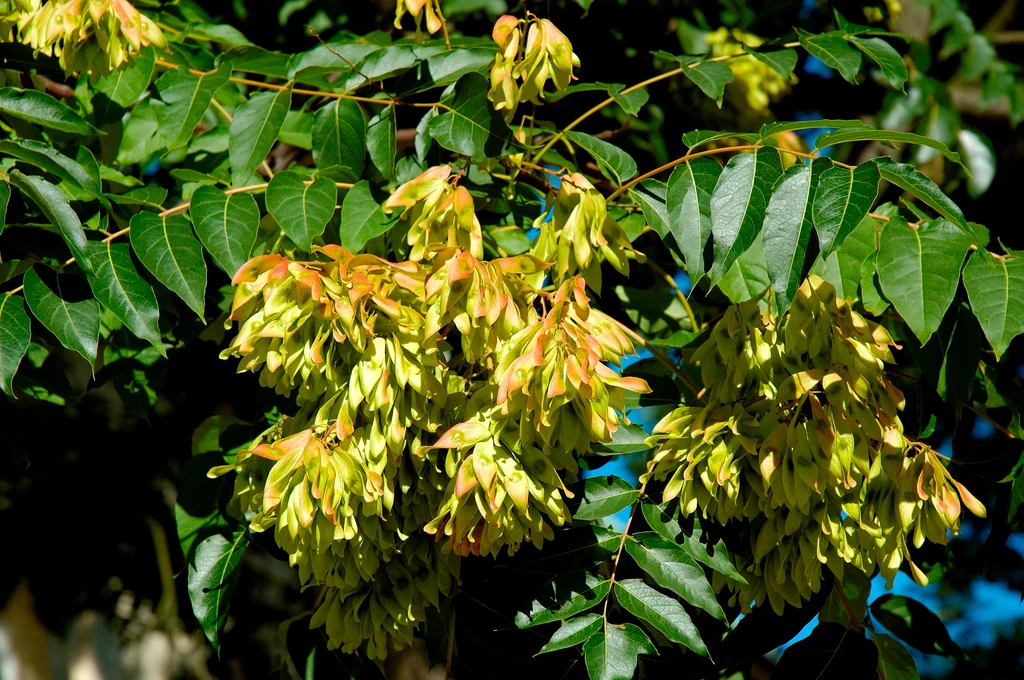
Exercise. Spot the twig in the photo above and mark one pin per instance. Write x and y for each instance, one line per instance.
(679, 293)
(622, 545)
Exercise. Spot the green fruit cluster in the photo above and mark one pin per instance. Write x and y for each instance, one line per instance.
(800, 444)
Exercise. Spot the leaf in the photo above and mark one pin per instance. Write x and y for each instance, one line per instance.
(573, 632)
(301, 209)
(119, 288)
(787, 229)
(915, 624)
(851, 612)
(772, 129)
(661, 611)
(75, 324)
(339, 139)
(688, 205)
(980, 159)
(995, 287)
(167, 248)
(626, 439)
(915, 182)
(739, 204)
(253, 59)
(212, 578)
(45, 157)
(226, 224)
(748, 277)
(870, 134)
(711, 77)
(672, 568)
(15, 333)
(444, 68)
(565, 596)
(781, 60)
(603, 496)
(832, 651)
(470, 126)
(5, 198)
(362, 218)
(834, 51)
(650, 194)
(661, 518)
(919, 269)
(119, 89)
(695, 138)
(842, 199)
(893, 659)
(678, 340)
(57, 210)
(187, 97)
(611, 655)
(888, 59)
(578, 547)
(608, 156)
(41, 109)
(254, 130)
(381, 141)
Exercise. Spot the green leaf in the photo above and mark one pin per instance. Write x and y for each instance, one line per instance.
(859, 246)
(915, 182)
(119, 288)
(888, 59)
(470, 126)
(119, 89)
(870, 288)
(187, 97)
(688, 205)
(573, 632)
(444, 68)
(671, 567)
(834, 51)
(995, 287)
(748, 278)
(5, 198)
(565, 596)
(75, 324)
(842, 199)
(980, 159)
(41, 109)
(678, 340)
(772, 129)
(626, 439)
(739, 204)
(608, 156)
(831, 651)
(919, 269)
(15, 333)
(711, 77)
(661, 518)
(254, 130)
(915, 624)
(362, 218)
(57, 210)
(781, 60)
(603, 496)
(787, 229)
(651, 195)
(339, 139)
(226, 224)
(611, 655)
(301, 209)
(852, 611)
(253, 59)
(167, 248)
(870, 134)
(45, 157)
(695, 138)
(578, 547)
(381, 141)
(893, 659)
(661, 611)
(212, 578)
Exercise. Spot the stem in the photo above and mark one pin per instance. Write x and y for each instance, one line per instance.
(622, 545)
(230, 119)
(679, 293)
(1002, 430)
(846, 605)
(447, 41)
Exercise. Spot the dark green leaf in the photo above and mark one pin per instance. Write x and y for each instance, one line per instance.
(739, 204)
(787, 229)
(253, 59)
(893, 659)
(915, 624)
(671, 567)
(41, 109)
(711, 77)
(45, 157)
(856, 589)
(870, 134)
(834, 51)
(470, 126)
(888, 59)
(15, 332)
(919, 269)
(651, 195)
(748, 277)
(678, 340)
(626, 439)
(254, 130)
(661, 611)
(339, 139)
(119, 288)
(565, 596)
(5, 198)
(842, 199)
(212, 578)
(573, 632)
(576, 548)
(57, 210)
(362, 218)
(381, 141)
(603, 496)
(167, 248)
(75, 324)
(301, 209)
(695, 138)
(688, 204)
(608, 156)
(187, 97)
(995, 286)
(226, 224)
(771, 129)
(831, 651)
(912, 180)
(781, 60)
(611, 655)
(444, 68)
(119, 89)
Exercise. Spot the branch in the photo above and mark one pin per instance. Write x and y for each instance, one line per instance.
(622, 545)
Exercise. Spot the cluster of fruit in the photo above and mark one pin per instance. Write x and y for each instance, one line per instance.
(760, 84)
(800, 442)
(442, 395)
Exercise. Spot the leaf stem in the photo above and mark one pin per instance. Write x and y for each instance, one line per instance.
(622, 545)
(656, 268)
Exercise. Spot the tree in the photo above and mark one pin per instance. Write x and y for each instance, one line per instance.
(461, 305)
